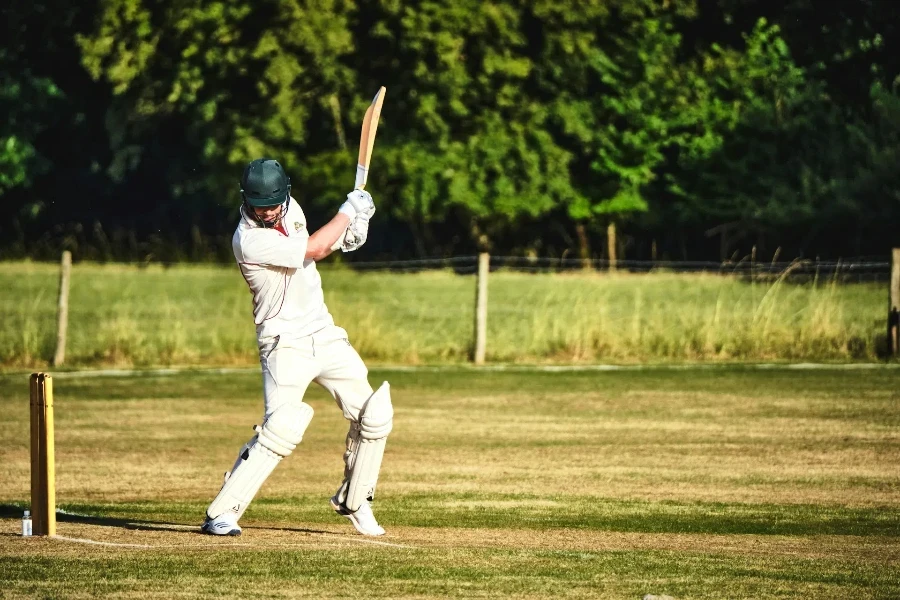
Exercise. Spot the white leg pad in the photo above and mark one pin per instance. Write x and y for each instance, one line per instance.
(367, 450)
(277, 438)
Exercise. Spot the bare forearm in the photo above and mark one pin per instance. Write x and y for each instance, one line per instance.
(320, 243)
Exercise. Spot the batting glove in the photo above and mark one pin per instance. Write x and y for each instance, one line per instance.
(359, 203)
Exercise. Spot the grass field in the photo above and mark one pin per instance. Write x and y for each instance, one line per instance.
(201, 315)
(721, 482)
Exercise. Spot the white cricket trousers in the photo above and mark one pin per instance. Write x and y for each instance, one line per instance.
(326, 357)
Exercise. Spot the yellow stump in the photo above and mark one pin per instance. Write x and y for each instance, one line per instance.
(43, 466)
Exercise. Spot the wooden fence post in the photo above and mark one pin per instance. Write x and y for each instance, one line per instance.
(753, 263)
(65, 272)
(894, 305)
(611, 246)
(481, 307)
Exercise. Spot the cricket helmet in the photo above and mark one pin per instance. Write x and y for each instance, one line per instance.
(265, 184)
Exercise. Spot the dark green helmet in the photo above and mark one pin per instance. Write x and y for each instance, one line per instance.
(265, 183)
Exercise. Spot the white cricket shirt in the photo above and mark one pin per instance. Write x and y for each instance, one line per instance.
(286, 287)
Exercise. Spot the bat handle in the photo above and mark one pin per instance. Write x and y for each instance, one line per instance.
(362, 174)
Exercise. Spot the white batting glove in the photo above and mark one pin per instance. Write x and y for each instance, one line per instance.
(354, 236)
(356, 233)
(359, 202)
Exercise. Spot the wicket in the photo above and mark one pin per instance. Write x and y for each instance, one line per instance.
(43, 467)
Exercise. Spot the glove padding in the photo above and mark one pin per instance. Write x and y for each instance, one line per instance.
(359, 202)
(356, 233)
(360, 208)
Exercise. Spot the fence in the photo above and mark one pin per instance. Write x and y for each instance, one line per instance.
(864, 269)
(799, 271)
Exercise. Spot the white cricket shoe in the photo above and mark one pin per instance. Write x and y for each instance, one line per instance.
(362, 519)
(224, 524)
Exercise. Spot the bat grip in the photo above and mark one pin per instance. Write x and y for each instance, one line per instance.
(362, 174)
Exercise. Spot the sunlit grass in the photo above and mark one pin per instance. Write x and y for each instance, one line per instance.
(723, 482)
(195, 315)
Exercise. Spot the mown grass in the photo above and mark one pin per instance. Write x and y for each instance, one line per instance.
(200, 315)
(437, 573)
(721, 482)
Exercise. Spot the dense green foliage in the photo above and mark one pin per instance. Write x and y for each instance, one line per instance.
(520, 127)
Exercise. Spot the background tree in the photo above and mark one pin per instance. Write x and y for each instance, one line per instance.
(519, 127)
(48, 141)
(471, 141)
(614, 74)
(201, 88)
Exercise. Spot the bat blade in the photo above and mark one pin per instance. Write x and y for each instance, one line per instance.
(367, 138)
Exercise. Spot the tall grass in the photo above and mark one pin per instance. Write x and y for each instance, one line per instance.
(126, 315)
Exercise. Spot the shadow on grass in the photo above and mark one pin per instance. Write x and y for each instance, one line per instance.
(11, 511)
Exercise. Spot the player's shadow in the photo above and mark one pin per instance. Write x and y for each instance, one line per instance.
(11, 511)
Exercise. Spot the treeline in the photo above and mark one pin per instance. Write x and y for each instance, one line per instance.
(680, 129)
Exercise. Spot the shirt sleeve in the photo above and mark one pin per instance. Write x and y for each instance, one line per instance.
(268, 247)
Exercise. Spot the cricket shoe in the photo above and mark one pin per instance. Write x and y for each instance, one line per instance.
(362, 519)
(225, 524)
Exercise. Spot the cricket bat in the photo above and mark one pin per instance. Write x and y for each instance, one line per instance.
(367, 138)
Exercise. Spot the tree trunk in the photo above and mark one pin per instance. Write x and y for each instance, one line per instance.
(335, 106)
(482, 241)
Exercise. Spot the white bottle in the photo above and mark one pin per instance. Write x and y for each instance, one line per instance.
(26, 524)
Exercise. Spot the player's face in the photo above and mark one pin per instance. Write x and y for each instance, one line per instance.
(269, 214)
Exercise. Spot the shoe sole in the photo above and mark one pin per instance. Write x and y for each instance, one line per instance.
(231, 532)
(349, 515)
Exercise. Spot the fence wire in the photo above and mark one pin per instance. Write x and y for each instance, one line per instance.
(850, 270)
(843, 271)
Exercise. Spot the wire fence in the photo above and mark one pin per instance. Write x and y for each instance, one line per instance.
(599, 310)
(863, 269)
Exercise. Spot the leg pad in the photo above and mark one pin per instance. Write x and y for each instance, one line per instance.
(368, 439)
(277, 438)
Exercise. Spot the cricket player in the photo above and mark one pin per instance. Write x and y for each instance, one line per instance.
(299, 343)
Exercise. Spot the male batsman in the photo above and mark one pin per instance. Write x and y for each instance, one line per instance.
(299, 343)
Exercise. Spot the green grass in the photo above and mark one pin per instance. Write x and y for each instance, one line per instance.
(201, 315)
(720, 482)
(393, 573)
